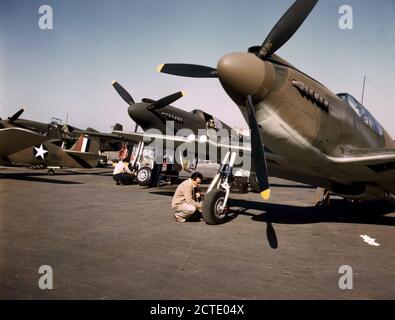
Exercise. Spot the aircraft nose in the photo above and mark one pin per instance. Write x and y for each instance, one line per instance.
(243, 74)
(138, 113)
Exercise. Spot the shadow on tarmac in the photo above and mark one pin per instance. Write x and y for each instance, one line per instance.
(338, 212)
(35, 177)
(291, 186)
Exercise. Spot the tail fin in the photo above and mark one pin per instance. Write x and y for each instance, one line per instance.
(118, 127)
(85, 144)
(91, 130)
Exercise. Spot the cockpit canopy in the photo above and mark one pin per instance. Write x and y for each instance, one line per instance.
(362, 112)
(55, 122)
(211, 121)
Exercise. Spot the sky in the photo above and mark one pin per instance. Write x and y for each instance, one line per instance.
(69, 70)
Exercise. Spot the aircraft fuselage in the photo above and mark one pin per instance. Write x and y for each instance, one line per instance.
(301, 121)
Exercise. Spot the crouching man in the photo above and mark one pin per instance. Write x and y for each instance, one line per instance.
(122, 175)
(186, 202)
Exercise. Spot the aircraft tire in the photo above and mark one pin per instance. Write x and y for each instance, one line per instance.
(254, 186)
(211, 211)
(144, 176)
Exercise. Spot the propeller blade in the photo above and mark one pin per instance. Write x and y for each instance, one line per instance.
(258, 155)
(123, 93)
(16, 116)
(286, 27)
(166, 101)
(188, 70)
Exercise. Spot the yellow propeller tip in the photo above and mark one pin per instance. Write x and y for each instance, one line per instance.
(184, 93)
(266, 194)
(160, 67)
(114, 81)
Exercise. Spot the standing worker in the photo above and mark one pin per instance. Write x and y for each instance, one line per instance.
(186, 200)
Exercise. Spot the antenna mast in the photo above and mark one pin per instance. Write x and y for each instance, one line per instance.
(363, 89)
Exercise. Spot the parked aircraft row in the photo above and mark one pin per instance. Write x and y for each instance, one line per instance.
(31, 143)
(300, 130)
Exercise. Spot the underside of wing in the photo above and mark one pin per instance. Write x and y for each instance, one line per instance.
(369, 161)
(151, 137)
(369, 165)
(215, 151)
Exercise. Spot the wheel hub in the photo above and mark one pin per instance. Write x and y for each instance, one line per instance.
(142, 175)
(219, 208)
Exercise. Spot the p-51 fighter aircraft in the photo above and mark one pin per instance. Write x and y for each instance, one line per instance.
(316, 137)
(53, 130)
(157, 114)
(152, 114)
(31, 143)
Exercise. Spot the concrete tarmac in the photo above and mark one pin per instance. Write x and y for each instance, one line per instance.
(110, 242)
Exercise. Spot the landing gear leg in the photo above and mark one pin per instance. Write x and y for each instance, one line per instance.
(156, 175)
(216, 203)
(323, 197)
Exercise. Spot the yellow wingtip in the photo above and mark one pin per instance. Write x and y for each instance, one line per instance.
(160, 67)
(266, 194)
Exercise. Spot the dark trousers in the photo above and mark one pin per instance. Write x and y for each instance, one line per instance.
(123, 178)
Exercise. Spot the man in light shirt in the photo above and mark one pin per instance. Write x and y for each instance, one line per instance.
(186, 200)
(122, 175)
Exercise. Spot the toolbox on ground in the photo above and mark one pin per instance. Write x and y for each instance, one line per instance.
(239, 185)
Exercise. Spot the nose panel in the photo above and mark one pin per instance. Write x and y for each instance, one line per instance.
(243, 74)
(138, 112)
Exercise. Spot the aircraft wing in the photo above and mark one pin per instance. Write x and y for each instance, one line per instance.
(178, 140)
(100, 135)
(273, 160)
(16, 139)
(375, 165)
(200, 143)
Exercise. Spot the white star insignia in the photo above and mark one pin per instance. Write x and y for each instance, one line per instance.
(40, 152)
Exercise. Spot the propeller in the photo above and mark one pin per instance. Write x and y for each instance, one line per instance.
(258, 155)
(123, 93)
(286, 27)
(16, 115)
(188, 70)
(167, 100)
(155, 105)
